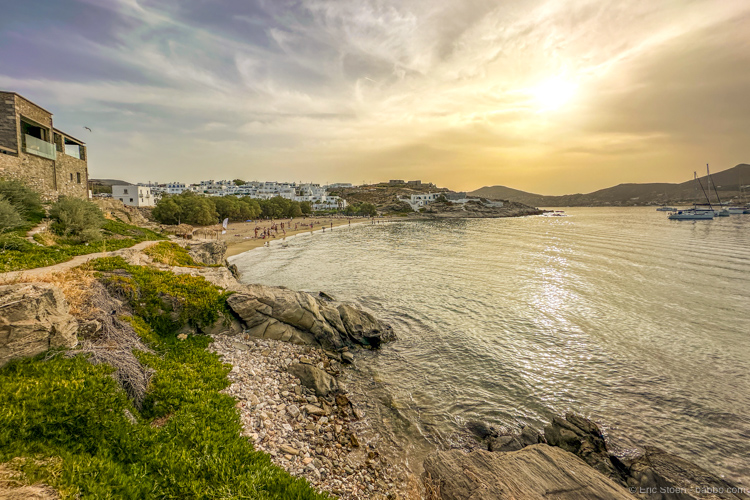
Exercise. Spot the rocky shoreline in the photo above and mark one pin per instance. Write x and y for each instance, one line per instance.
(302, 400)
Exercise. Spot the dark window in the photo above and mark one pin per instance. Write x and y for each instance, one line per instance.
(71, 177)
(131, 200)
(125, 191)
(78, 177)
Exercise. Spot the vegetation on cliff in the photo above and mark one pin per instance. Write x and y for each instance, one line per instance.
(78, 431)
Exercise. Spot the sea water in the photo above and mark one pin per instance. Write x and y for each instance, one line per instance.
(641, 323)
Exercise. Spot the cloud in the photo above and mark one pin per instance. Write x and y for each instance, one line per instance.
(442, 90)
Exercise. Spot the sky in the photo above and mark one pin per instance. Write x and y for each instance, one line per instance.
(551, 97)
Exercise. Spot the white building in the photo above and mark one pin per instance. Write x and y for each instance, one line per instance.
(175, 187)
(133, 196)
(417, 201)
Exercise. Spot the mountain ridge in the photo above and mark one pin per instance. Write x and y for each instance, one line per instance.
(729, 183)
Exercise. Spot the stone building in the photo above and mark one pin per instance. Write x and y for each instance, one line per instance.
(33, 151)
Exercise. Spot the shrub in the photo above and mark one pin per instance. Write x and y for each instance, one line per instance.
(10, 218)
(27, 201)
(14, 243)
(170, 254)
(77, 218)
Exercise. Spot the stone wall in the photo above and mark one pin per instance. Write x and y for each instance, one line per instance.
(51, 178)
(8, 132)
(67, 168)
(34, 112)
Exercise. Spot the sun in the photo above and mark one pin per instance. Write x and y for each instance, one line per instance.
(554, 93)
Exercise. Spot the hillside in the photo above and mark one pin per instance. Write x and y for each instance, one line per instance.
(728, 184)
(385, 197)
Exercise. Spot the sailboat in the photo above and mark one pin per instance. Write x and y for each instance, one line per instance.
(695, 213)
(721, 212)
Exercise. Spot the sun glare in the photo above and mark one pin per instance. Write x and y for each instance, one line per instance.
(554, 93)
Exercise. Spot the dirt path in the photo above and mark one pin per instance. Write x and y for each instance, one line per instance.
(69, 264)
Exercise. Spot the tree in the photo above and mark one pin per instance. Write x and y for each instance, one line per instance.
(305, 207)
(167, 210)
(197, 209)
(76, 218)
(239, 182)
(228, 207)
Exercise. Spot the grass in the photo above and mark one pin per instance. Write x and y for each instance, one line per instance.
(171, 254)
(186, 440)
(16, 253)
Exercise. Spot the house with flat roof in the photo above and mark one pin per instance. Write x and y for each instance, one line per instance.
(32, 150)
(134, 196)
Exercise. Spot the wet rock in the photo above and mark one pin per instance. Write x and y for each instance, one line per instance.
(363, 328)
(536, 472)
(34, 317)
(658, 475)
(347, 357)
(314, 378)
(278, 313)
(583, 438)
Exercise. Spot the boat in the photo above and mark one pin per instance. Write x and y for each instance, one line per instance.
(665, 208)
(698, 212)
(721, 212)
(692, 214)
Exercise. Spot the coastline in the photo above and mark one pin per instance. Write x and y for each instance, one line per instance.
(240, 236)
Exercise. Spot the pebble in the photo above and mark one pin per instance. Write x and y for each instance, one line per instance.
(308, 436)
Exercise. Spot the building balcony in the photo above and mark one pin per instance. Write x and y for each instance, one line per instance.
(41, 148)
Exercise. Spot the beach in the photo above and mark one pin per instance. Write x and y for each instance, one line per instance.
(241, 236)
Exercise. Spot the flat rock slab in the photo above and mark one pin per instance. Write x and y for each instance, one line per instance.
(537, 472)
(34, 317)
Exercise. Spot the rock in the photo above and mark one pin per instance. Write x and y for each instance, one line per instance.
(288, 450)
(314, 378)
(536, 472)
(293, 410)
(504, 443)
(363, 328)
(347, 357)
(481, 430)
(209, 253)
(326, 297)
(224, 326)
(34, 317)
(314, 410)
(583, 438)
(674, 478)
(218, 276)
(281, 314)
(354, 440)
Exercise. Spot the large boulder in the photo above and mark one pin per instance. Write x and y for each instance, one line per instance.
(363, 328)
(537, 472)
(209, 253)
(283, 314)
(34, 317)
(658, 475)
(314, 378)
(583, 438)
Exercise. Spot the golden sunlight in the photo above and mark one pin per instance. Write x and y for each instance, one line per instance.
(554, 93)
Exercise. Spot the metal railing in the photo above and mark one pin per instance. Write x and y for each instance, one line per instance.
(40, 148)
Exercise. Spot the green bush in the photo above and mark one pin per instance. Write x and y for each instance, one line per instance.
(27, 201)
(171, 254)
(16, 253)
(76, 218)
(166, 301)
(10, 218)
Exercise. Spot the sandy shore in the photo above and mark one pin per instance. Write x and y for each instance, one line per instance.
(241, 236)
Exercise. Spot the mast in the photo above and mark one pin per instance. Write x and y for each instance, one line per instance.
(708, 174)
(695, 174)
